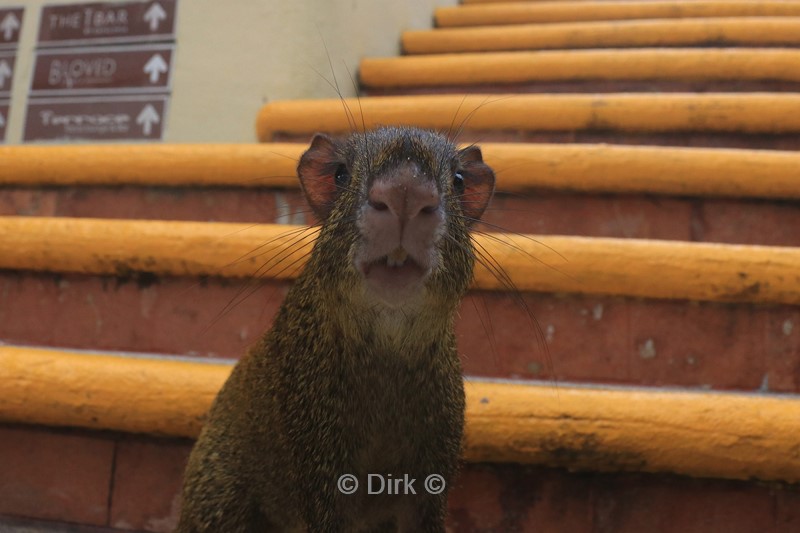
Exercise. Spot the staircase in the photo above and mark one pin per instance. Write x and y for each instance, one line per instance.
(649, 146)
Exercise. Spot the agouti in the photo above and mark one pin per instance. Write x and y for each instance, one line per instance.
(359, 375)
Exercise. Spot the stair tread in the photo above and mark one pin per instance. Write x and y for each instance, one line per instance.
(693, 64)
(520, 167)
(752, 113)
(169, 397)
(587, 265)
(530, 12)
(716, 31)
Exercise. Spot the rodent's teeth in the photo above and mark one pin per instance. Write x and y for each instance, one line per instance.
(397, 258)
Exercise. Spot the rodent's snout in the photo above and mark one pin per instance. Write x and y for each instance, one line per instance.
(400, 224)
(402, 199)
(403, 209)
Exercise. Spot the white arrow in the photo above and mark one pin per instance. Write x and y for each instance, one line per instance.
(147, 118)
(5, 72)
(155, 15)
(155, 66)
(9, 25)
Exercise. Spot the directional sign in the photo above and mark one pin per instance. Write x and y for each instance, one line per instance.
(3, 120)
(97, 118)
(108, 70)
(10, 24)
(107, 22)
(7, 63)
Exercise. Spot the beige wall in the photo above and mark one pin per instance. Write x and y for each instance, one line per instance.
(234, 55)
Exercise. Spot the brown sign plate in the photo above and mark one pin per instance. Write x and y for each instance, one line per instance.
(10, 24)
(107, 22)
(96, 118)
(7, 64)
(120, 69)
(3, 120)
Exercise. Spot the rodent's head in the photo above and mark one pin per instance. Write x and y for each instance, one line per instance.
(396, 206)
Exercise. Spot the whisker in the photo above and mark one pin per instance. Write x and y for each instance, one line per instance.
(501, 275)
(351, 120)
(250, 255)
(455, 116)
(516, 234)
(483, 258)
(469, 116)
(259, 274)
(490, 330)
(497, 238)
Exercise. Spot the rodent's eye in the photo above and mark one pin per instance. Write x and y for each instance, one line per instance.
(342, 176)
(458, 183)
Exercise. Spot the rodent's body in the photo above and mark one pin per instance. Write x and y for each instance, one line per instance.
(359, 374)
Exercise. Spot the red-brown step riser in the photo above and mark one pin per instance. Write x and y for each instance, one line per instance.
(732, 221)
(589, 338)
(133, 482)
(158, 203)
(679, 138)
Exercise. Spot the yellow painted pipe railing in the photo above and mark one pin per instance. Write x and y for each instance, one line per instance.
(682, 64)
(528, 12)
(632, 267)
(657, 32)
(747, 113)
(740, 436)
(519, 167)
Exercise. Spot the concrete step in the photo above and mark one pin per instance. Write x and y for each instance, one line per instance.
(756, 120)
(18, 525)
(579, 337)
(689, 64)
(132, 482)
(718, 32)
(505, 422)
(715, 195)
(520, 167)
(456, 72)
(558, 11)
(637, 312)
(756, 114)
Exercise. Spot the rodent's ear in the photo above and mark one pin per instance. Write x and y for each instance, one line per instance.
(317, 170)
(478, 182)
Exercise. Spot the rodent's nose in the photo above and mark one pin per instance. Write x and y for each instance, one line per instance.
(403, 198)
